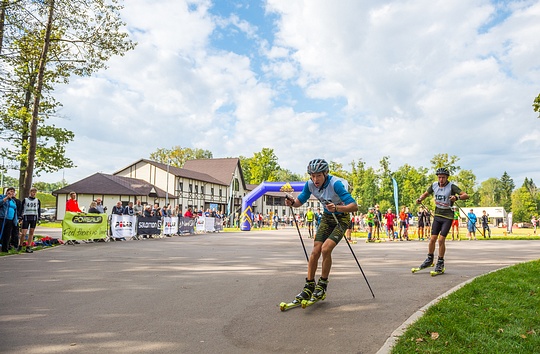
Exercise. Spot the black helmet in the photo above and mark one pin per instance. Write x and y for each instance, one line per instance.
(317, 165)
(442, 171)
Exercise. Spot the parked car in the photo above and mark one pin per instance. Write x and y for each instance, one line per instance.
(49, 214)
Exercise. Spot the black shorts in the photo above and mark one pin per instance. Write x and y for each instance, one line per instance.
(441, 226)
(29, 222)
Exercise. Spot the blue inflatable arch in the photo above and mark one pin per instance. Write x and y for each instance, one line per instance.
(247, 201)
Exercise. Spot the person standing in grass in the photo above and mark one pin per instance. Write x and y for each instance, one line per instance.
(471, 225)
(455, 223)
(485, 223)
(445, 194)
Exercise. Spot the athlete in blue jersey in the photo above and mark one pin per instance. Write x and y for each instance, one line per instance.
(445, 194)
(332, 192)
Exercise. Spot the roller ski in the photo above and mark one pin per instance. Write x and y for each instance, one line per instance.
(427, 264)
(439, 268)
(318, 294)
(305, 295)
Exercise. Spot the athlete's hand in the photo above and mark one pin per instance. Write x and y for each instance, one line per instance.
(289, 201)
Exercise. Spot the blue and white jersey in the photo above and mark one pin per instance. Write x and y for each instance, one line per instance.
(334, 190)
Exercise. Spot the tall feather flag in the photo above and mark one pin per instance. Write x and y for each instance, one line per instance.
(395, 194)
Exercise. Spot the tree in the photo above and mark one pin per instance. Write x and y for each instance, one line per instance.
(507, 187)
(443, 160)
(412, 182)
(523, 205)
(286, 176)
(536, 105)
(177, 156)
(262, 166)
(466, 180)
(74, 38)
(489, 192)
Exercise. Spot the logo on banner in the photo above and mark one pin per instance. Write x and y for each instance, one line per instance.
(123, 223)
(83, 219)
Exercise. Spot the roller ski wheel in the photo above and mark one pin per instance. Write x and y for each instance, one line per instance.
(307, 303)
(416, 270)
(434, 273)
(284, 306)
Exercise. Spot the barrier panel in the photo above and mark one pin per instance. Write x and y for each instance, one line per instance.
(82, 226)
(170, 225)
(123, 226)
(186, 225)
(150, 225)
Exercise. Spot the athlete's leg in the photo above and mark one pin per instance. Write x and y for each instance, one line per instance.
(314, 259)
(327, 248)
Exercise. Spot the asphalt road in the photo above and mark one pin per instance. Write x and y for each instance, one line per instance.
(219, 293)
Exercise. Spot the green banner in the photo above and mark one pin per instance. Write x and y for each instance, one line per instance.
(82, 226)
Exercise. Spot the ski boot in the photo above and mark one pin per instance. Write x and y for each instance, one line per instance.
(307, 292)
(439, 268)
(427, 263)
(320, 289)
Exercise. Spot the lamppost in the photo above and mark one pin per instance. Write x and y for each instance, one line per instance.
(167, 188)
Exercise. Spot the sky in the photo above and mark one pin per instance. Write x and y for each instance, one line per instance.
(342, 80)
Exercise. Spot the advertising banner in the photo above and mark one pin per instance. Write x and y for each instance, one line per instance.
(123, 226)
(170, 225)
(82, 226)
(148, 225)
(186, 225)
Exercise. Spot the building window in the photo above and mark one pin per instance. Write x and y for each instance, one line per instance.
(181, 186)
(190, 188)
(196, 189)
(202, 189)
(220, 192)
(212, 191)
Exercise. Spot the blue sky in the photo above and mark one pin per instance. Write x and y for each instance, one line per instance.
(342, 80)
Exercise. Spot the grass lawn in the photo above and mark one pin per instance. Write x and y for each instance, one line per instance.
(495, 313)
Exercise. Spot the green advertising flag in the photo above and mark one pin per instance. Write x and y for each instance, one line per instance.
(81, 226)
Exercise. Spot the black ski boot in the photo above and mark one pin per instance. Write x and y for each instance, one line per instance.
(428, 262)
(439, 267)
(307, 292)
(320, 289)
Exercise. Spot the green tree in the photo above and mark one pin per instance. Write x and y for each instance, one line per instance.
(507, 187)
(489, 192)
(466, 180)
(443, 160)
(386, 187)
(262, 166)
(412, 182)
(177, 155)
(523, 205)
(72, 38)
(283, 175)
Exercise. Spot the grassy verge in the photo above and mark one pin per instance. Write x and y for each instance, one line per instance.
(496, 313)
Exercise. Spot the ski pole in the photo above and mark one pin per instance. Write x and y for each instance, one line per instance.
(354, 255)
(297, 228)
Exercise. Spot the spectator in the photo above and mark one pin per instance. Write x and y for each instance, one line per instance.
(485, 223)
(72, 205)
(138, 208)
(390, 217)
(471, 225)
(99, 206)
(8, 217)
(148, 211)
(188, 213)
(128, 210)
(93, 208)
(118, 209)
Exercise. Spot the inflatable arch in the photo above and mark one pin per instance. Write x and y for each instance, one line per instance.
(247, 201)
